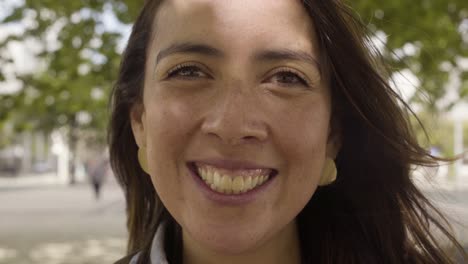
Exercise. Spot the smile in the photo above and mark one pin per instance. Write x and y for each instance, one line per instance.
(227, 181)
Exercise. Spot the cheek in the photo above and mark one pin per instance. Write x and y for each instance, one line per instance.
(168, 129)
(303, 133)
(168, 120)
(303, 139)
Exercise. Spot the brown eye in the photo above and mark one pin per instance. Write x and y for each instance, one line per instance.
(186, 72)
(289, 78)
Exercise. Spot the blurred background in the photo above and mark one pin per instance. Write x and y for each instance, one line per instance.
(59, 202)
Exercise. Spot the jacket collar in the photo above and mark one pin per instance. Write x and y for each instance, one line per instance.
(157, 255)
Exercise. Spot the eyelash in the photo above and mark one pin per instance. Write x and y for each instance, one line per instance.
(173, 73)
(302, 80)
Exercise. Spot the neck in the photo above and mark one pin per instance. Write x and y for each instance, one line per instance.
(282, 248)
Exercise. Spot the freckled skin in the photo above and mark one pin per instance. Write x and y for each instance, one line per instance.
(237, 110)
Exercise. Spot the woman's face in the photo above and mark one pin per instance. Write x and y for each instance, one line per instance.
(234, 94)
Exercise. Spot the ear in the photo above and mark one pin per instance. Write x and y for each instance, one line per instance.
(334, 139)
(137, 121)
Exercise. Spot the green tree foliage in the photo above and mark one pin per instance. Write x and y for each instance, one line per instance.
(77, 74)
(426, 36)
(76, 70)
(439, 129)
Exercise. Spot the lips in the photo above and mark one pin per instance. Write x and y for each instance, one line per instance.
(232, 178)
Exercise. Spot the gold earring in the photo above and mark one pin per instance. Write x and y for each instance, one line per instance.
(142, 159)
(329, 173)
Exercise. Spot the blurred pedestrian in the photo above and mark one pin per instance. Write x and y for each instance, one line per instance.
(97, 170)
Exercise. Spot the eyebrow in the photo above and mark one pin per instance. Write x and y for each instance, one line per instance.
(188, 47)
(287, 54)
(266, 55)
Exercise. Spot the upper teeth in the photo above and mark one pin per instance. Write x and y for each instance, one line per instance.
(241, 182)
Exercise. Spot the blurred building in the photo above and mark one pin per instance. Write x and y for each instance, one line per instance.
(39, 154)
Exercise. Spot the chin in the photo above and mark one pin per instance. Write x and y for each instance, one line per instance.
(228, 242)
(232, 245)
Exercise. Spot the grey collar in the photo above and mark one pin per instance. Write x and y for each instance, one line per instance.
(157, 254)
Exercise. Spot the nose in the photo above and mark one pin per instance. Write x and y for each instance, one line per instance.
(235, 118)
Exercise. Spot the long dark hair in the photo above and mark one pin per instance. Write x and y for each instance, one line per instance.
(373, 213)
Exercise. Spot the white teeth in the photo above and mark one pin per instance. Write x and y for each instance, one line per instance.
(203, 174)
(237, 185)
(209, 176)
(226, 184)
(222, 183)
(248, 183)
(254, 181)
(216, 179)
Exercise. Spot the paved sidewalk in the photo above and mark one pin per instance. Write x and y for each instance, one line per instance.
(31, 180)
(61, 224)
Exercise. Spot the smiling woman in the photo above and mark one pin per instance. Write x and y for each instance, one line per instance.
(262, 132)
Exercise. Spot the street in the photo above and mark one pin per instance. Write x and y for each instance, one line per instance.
(66, 225)
(61, 224)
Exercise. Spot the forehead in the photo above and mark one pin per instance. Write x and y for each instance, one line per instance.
(238, 24)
